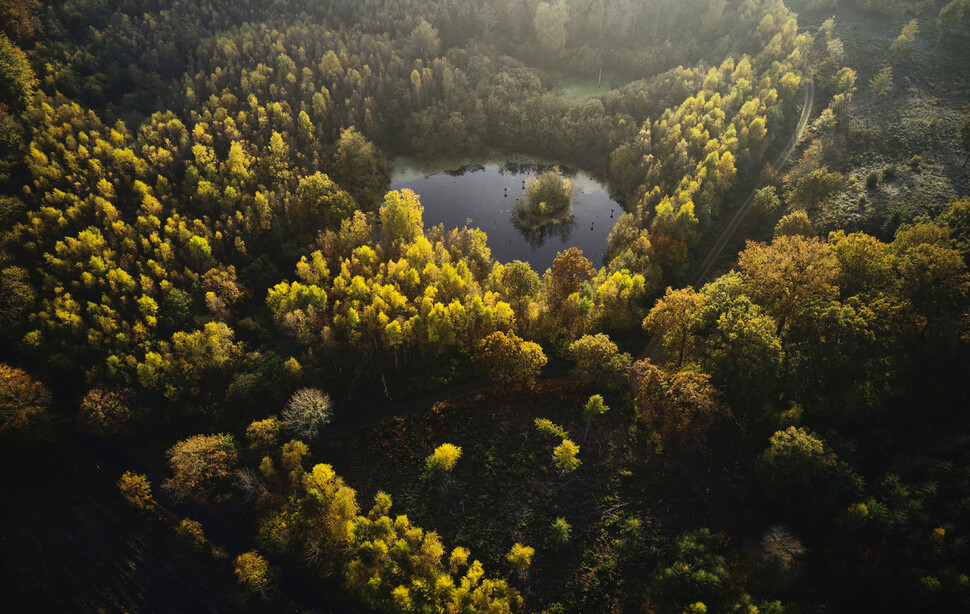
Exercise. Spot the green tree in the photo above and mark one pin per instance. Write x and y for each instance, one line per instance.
(548, 197)
(798, 466)
(560, 532)
(594, 408)
(699, 579)
(423, 41)
(814, 189)
(882, 82)
(766, 201)
(319, 203)
(599, 361)
(361, 168)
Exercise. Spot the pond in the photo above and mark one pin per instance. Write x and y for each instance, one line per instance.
(481, 195)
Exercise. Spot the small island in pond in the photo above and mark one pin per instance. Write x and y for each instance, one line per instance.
(548, 200)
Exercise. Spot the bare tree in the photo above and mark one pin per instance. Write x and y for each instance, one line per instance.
(307, 411)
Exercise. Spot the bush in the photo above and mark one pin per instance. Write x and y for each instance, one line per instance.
(890, 172)
(872, 180)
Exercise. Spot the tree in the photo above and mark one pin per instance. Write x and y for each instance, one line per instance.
(107, 412)
(699, 580)
(521, 283)
(866, 265)
(520, 556)
(766, 201)
(965, 138)
(254, 572)
(676, 316)
(262, 435)
(903, 43)
(681, 406)
(594, 408)
(745, 355)
(550, 24)
(191, 531)
(401, 217)
(882, 82)
(570, 269)
(599, 361)
(423, 42)
(798, 466)
(361, 168)
(16, 297)
(795, 223)
(566, 457)
(548, 197)
(508, 360)
(560, 531)
(319, 203)
(814, 189)
(17, 80)
(784, 277)
(307, 411)
(23, 401)
(136, 489)
(443, 459)
(203, 467)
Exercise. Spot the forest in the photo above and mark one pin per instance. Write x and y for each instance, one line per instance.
(240, 372)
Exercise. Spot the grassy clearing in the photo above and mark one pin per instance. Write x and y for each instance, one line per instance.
(574, 88)
(624, 502)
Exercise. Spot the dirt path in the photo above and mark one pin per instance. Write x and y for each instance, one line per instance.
(694, 473)
(732, 227)
(652, 349)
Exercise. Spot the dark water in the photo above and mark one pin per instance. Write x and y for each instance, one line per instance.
(482, 196)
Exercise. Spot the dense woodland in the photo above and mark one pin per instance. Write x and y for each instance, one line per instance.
(204, 273)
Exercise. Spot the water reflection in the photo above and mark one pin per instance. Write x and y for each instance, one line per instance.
(537, 236)
(460, 194)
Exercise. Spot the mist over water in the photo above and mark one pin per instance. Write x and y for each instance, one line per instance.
(482, 196)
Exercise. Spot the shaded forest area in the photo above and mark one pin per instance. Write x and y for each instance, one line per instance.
(202, 271)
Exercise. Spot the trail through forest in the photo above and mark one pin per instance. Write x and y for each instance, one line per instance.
(652, 349)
